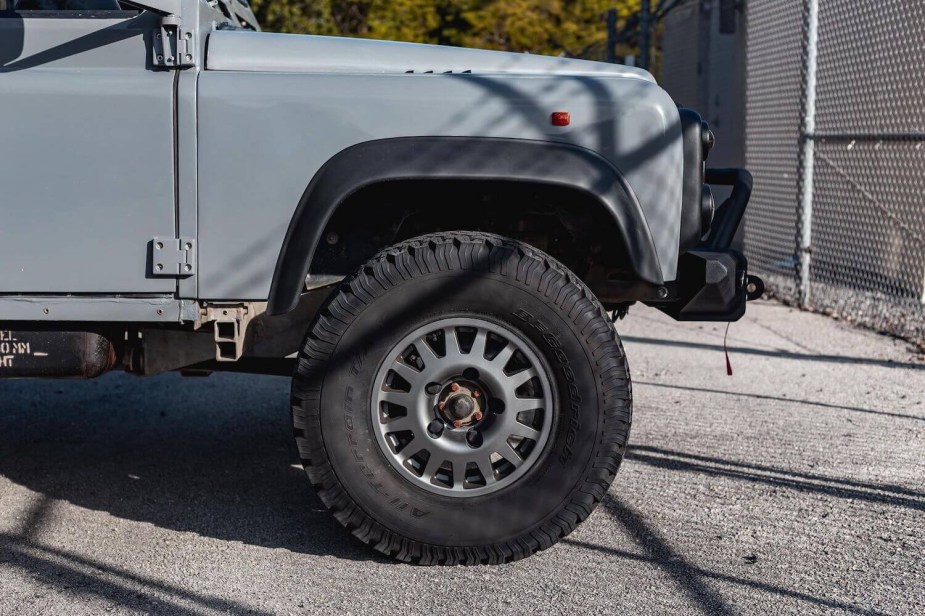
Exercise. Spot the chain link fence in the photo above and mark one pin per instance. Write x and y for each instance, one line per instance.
(835, 138)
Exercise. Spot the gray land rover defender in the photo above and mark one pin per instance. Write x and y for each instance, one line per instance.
(429, 240)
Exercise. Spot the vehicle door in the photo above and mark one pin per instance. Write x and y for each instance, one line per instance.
(87, 164)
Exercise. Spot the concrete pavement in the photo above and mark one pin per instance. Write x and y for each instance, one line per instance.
(796, 485)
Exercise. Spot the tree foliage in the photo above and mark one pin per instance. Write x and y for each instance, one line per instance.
(552, 27)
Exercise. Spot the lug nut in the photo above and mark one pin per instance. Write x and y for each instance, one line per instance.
(433, 388)
(474, 438)
(435, 428)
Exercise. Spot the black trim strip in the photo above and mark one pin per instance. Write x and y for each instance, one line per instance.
(456, 158)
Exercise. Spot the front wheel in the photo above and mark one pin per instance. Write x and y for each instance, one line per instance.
(463, 398)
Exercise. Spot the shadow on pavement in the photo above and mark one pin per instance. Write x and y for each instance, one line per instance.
(659, 550)
(778, 354)
(212, 456)
(690, 579)
(83, 576)
(797, 401)
(803, 482)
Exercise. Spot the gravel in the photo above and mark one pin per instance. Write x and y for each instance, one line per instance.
(795, 485)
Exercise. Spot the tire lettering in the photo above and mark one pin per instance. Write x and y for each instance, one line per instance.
(555, 345)
(350, 425)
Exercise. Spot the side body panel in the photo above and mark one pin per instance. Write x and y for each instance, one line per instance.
(86, 156)
(264, 135)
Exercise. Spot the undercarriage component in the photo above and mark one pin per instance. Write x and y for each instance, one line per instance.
(229, 326)
(243, 338)
(53, 354)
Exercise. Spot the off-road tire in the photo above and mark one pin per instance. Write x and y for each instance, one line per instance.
(424, 279)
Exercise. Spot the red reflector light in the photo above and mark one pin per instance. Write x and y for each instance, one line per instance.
(561, 118)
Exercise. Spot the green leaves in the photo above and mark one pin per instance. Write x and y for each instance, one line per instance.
(552, 27)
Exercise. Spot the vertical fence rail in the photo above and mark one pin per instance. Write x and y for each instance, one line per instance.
(807, 154)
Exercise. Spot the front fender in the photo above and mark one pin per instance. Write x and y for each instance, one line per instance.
(456, 158)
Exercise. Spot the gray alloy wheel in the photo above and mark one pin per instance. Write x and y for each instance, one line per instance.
(462, 406)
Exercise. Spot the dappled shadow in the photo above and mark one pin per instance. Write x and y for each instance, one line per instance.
(834, 359)
(660, 551)
(667, 459)
(56, 567)
(692, 580)
(12, 26)
(208, 456)
(797, 401)
(12, 35)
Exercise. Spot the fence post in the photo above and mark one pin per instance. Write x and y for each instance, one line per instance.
(612, 36)
(645, 26)
(807, 154)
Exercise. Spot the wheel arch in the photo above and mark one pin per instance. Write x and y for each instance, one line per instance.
(539, 164)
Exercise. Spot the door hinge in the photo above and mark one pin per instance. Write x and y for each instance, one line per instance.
(174, 45)
(171, 256)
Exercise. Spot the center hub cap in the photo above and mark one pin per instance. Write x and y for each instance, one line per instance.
(461, 406)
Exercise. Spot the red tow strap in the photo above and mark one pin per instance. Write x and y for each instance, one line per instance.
(726, 350)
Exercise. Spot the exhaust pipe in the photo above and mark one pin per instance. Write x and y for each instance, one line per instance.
(54, 354)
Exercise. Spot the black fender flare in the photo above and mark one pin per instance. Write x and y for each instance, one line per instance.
(456, 158)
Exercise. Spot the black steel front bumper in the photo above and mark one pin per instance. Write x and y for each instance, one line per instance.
(713, 283)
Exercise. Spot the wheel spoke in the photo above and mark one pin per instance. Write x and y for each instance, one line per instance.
(403, 399)
(425, 350)
(451, 342)
(504, 355)
(478, 345)
(518, 379)
(406, 372)
(430, 467)
(459, 473)
(400, 424)
(484, 465)
(410, 450)
(523, 431)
